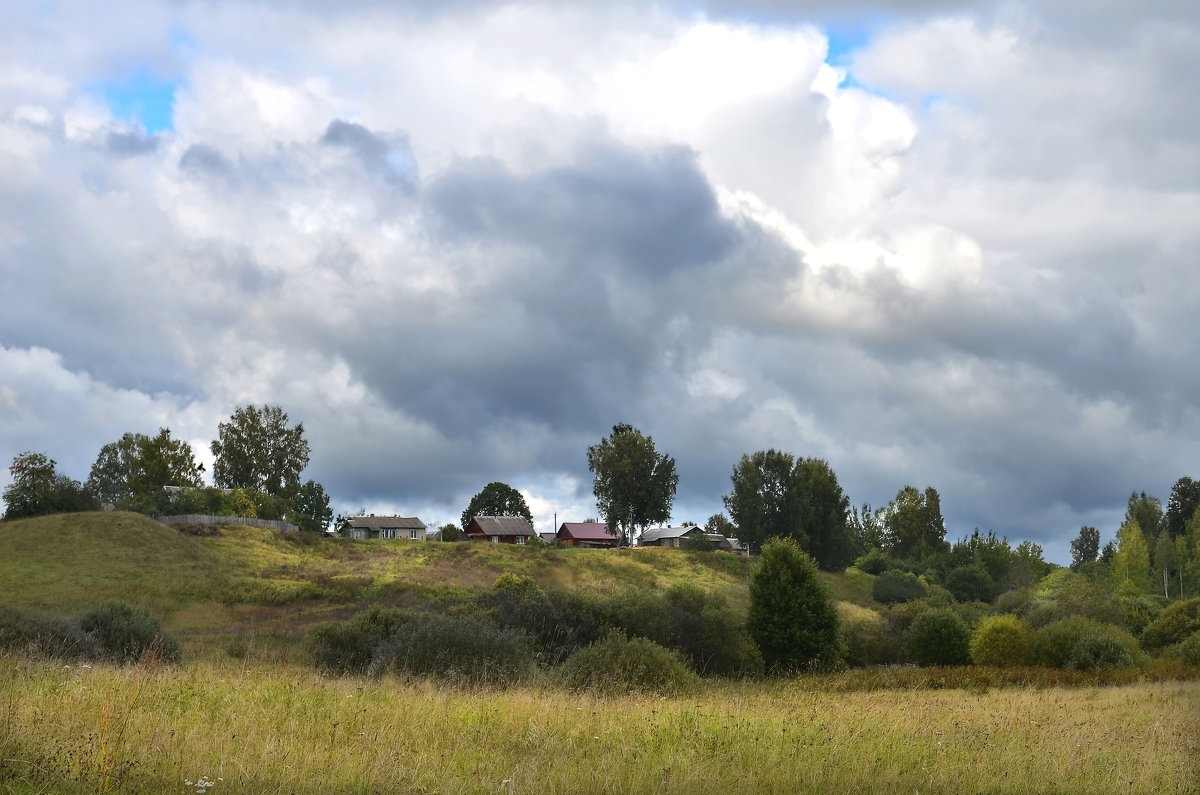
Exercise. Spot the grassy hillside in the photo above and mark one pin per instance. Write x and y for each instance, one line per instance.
(257, 580)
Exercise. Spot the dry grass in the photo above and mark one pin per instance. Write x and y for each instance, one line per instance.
(256, 728)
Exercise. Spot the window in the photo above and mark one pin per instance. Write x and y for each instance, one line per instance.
(414, 534)
(520, 539)
(495, 539)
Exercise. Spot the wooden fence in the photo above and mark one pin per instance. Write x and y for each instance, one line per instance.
(201, 518)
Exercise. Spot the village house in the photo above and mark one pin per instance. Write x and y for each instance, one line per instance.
(404, 527)
(500, 529)
(586, 534)
(669, 536)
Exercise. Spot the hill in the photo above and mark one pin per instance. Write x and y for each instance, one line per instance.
(258, 581)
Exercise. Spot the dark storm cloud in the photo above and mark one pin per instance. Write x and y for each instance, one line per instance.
(202, 159)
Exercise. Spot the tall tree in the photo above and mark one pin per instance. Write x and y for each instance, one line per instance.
(257, 450)
(131, 472)
(634, 484)
(763, 501)
(37, 488)
(1181, 505)
(1085, 548)
(310, 510)
(1131, 563)
(791, 616)
(496, 499)
(824, 513)
(913, 524)
(1147, 511)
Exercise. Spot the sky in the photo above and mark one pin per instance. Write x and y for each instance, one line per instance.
(948, 244)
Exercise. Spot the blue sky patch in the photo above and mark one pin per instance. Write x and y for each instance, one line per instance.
(143, 97)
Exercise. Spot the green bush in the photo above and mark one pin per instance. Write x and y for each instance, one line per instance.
(619, 664)
(1000, 641)
(124, 633)
(1173, 624)
(1099, 653)
(39, 635)
(349, 646)
(939, 637)
(1054, 644)
(971, 584)
(708, 632)
(874, 562)
(868, 636)
(792, 618)
(463, 649)
(897, 586)
(1188, 650)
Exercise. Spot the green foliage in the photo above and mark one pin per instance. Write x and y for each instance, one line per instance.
(496, 499)
(634, 484)
(698, 543)
(1000, 641)
(39, 635)
(913, 524)
(1183, 504)
(701, 626)
(256, 450)
(131, 472)
(619, 664)
(867, 636)
(1188, 650)
(792, 618)
(38, 489)
(1054, 644)
(125, 633)
(971, 584)
(1172, 625)
(874, 562)
(311, 511)
(1085, 548)
(939, 637)
(347, 647)
(450, 532)
(1131, 563)
(465, 649)
(895, 586)
(1099, 652)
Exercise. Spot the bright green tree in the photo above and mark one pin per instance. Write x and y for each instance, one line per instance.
(258, 451)
(791, 617)
(1131, 563)
(37, 488)
(634, 484)
(1085, 548)
(131, 472)
(1147, 511)
(310, 510)
(496, 499)
(763, 501)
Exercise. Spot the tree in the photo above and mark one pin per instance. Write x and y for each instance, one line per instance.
(791, 617)
(1131, 563)
(449, 532)
(311, 510)
(37, 489)
(1181, 505)
(256, 450)
(718, 523)
(1148, 513)
(132, 471)
(634, 484)
(913, 524)
(1085, 548)
(824, 513)
(496, 499)
(763, 502)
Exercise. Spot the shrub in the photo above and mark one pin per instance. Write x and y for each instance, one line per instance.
(867, 636)
(708, 632)
(1099, 652)
(1188, 650)
(1173, 624)
(939, 637)
(619, 664)
(874, 562)
(971, 584)
(896, 586)
(1054, 644)
(124, 633)
(1001, 641)
(39, 635)
(470, 649)
(349, 646)
(792, 618)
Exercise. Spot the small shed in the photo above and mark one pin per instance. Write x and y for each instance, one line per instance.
(669, 536)
(405, 527)
(500, 529)
(586, 534)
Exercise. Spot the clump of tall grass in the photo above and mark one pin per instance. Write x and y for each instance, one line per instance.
(463, 649)
(111, 631)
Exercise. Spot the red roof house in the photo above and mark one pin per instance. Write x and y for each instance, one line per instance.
(586, 534)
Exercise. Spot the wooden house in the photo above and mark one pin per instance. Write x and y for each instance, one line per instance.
(586, 534)
(669, 536)
(402, 527)
(500, 529)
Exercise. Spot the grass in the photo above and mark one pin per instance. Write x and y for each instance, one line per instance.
(259, 728)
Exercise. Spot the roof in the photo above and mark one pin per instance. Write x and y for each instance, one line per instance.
(655, 533)
(382, 522)
(502, 525)
(586, 531)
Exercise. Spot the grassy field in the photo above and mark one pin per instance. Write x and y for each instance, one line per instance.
(264, 729)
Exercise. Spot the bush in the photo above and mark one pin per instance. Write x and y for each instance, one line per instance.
(469, 649)
(939, 637)
(867, 636)
(874, 562)
(1099, 652)
(348, 647)
(1054, 644)
(1188, 650)
(897, 586)
(792, 618)
(124, 633)
(971, 584)
(618, 664)
(1173, 624)
(1000, 641)
(708, 632)
(39, 635)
